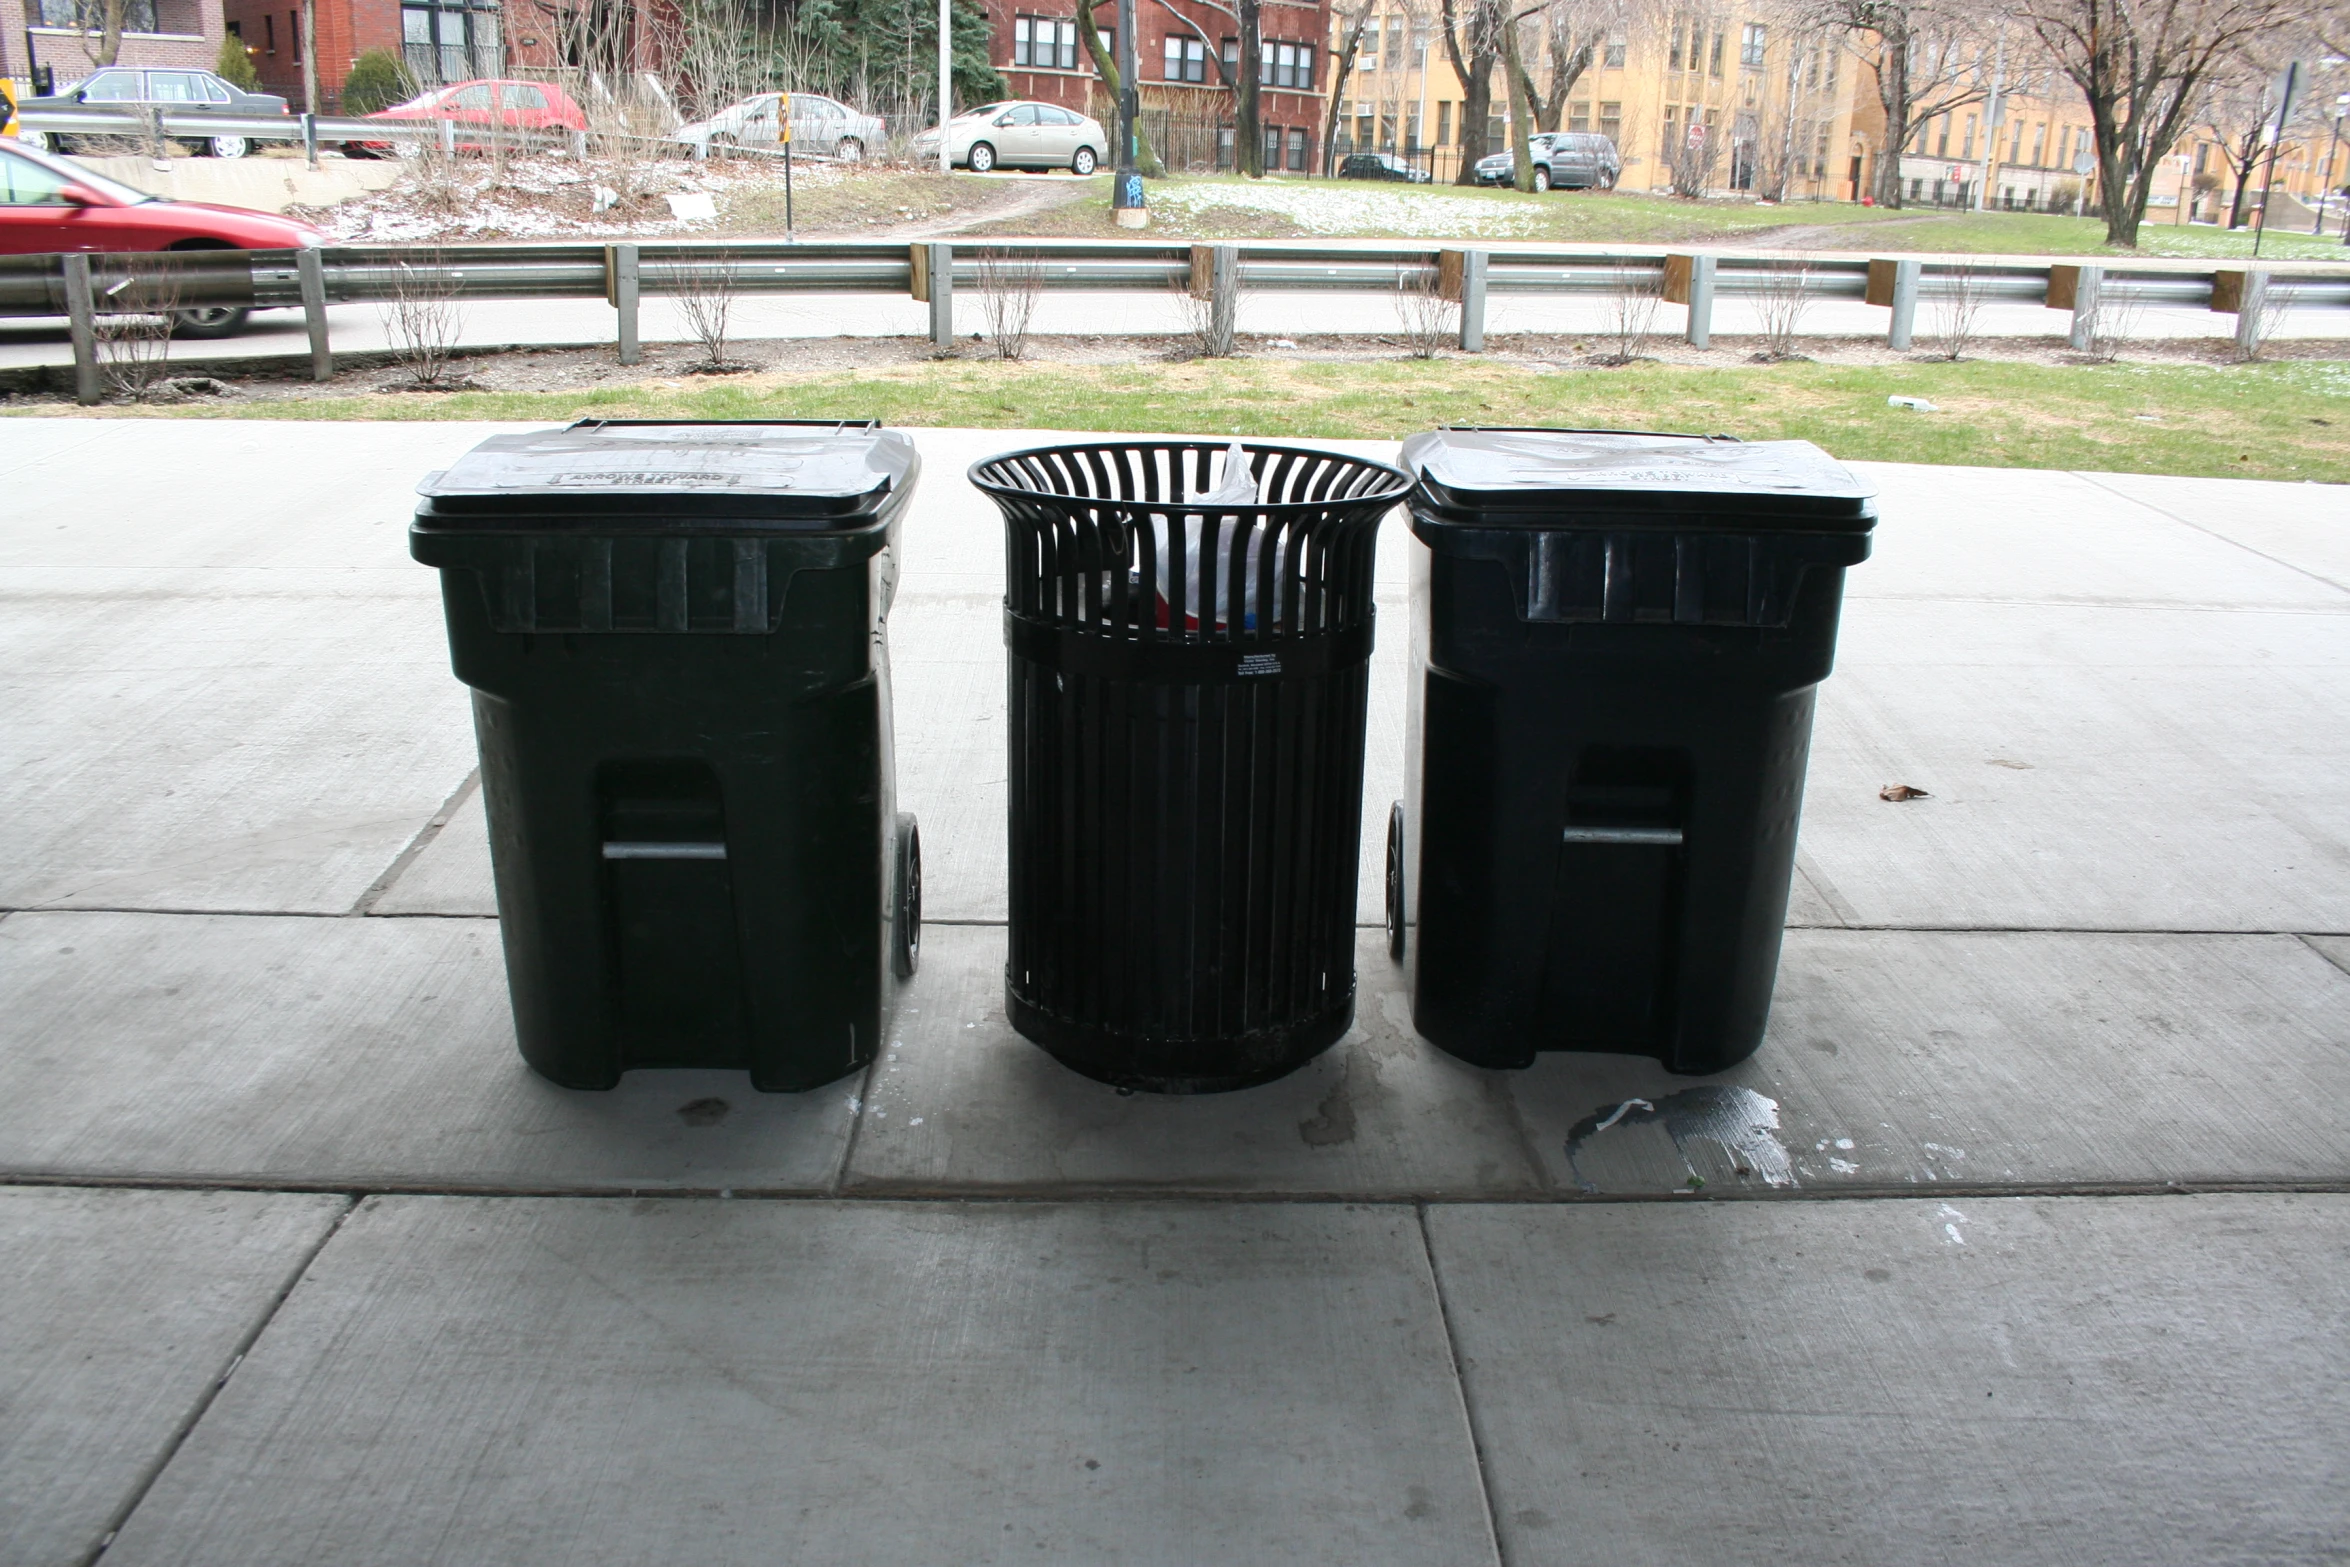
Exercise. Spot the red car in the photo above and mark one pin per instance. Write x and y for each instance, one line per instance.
(51, 204)
(519, 106)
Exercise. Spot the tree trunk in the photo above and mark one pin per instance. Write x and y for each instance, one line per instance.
(1146, 162)
(1521, 108)
(1250, 130)
(1475, 72)
(1341, 71)
(1893, 95)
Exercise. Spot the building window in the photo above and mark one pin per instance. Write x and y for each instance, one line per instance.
(1044, 43)
(1229, 53)
(1673, 50)
(1395, 58)
(1370, 48)
(1305, 67)
(1819, 158)
(137, 17)
(1109, 38)
(1967, 150)
(1672, 146)
(2040, 145)
(294, 32)
(1750, 47)
(1942, 145)
(1835, 53)
(1419, 61)
(1713, 60)
(1300, 150)
(2015, 148)
(1613, 57)
(452, 41)
(1272, 148)
(1579, 117)
(1611, 122)
(269, 32)
(1187, 59)
(1444, 123)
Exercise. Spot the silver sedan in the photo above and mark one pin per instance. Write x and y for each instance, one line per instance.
(819, 126)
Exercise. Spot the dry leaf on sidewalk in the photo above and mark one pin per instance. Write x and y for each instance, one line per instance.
(1900, 792)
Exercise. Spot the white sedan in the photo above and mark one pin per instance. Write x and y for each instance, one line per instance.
(819, 127)
(1018, 136)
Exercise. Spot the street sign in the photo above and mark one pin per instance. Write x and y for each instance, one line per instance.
(2084, 164)
(1697, 133)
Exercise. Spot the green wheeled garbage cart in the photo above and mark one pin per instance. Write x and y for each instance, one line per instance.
(1615, 643)
(676, 638)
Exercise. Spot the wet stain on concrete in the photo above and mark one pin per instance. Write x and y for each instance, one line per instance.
(1333, 1120)
(703, 1112)
(1743, 1123)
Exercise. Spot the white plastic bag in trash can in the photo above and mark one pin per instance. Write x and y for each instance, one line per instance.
(1237, 486)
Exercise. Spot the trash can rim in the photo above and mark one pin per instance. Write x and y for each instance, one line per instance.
(1393, 494)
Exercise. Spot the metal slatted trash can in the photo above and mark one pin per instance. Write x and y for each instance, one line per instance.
(1616, 643)
(676, 638)
(1188, 673)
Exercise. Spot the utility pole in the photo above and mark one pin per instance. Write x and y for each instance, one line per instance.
(1992, 111)
(946, 84)
(1126, 204)
(309, 42)
(2276, 142)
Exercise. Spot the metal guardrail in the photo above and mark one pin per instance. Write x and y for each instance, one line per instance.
(147, 121)
(932, 271)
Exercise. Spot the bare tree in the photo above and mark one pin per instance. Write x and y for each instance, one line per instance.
(1241, 76)
(1473, 41)
(1696, 154)
(423, 319)
(1010, 285)
(2143, 66)
(2238, 112)
(1928, 59)
(101, 24)
(1428, 319)
(1350, 19)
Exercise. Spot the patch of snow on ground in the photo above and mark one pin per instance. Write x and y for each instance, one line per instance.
(1335, 209)
(545, 198)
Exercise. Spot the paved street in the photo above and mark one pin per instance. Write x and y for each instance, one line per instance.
(2024, 1239)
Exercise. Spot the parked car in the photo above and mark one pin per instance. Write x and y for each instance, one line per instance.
(1018, 135)
(1380, 166)
(1584, 160)
(1502, 167)
(49, 205)
(183, 94)
(476, 107)
(819, 126)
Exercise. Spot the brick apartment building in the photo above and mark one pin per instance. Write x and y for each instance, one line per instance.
(1187, 109)
(156, 32)
(439, 40)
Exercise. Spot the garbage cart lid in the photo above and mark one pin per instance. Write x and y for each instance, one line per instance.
(827, 474)
(1514, 475)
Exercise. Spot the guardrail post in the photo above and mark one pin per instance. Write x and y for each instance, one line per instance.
(1223, 295)
(2086, 281)
(449, 137)
(2245, 293)
(1473, 301)
(623, 263)
(939, 275)
(310, 138)
(311, 268)
(80, 318)
(579, 144)
(1701, 302)
(1907, 275)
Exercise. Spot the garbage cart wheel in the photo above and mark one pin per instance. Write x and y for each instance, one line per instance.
(1395, 881)
(906, 946)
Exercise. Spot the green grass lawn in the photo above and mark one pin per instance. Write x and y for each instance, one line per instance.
(2264, 421)
(1229, 207)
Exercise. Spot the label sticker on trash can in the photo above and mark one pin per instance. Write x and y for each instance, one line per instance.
(1260, 663)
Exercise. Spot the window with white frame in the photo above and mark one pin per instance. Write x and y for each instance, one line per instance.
(1187, 59)
(1044, 43)
(1751, 45)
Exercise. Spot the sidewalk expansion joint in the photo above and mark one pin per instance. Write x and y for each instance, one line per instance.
(1037, 1196)
(2166, 512)
(417, 845)
(213, 1389)
(1460, 1384)
(2340, 960)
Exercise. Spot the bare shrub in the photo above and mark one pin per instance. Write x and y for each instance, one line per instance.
(1780, 302)
(423, 319)
(1209, 330)
(1429, 321)
(1693, 164)
(1958, 309)
(705, 291)
(134, 301)
(1633, 300)
(1010, 285)
(2113, 322)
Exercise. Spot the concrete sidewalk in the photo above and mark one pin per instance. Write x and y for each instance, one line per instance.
(298, 1264)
